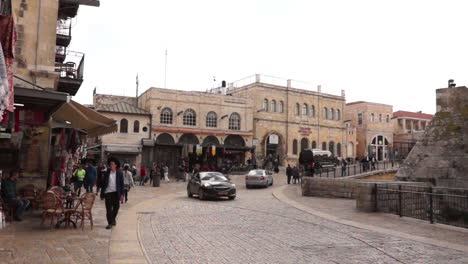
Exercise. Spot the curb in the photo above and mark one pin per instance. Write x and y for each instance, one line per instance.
(278, 194)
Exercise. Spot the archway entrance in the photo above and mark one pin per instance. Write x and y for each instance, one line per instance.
(273, 149)
(378, 147)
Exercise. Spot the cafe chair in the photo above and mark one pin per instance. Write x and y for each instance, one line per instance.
(87, 202)
(52, 207)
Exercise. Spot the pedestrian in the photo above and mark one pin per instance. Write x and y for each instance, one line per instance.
(295, 174)
(344, 163)
(181, 171)
(10, 196)
(90, 177)
(161, 171)
(373, 161)
(134, 171)
(166, 172)
(152, 173)
(100, 174)
(289, 173)
(142, 175)
(112, 191)
(79, 175)
(128, 181)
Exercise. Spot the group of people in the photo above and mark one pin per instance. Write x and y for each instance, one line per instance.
(294, 173)
(158, 170)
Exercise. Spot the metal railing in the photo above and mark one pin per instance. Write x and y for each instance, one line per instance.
(355, 169)
(72, 68)
(438, 205)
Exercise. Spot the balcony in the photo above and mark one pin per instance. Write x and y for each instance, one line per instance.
(68, 8)
(60, 54)
(71, 72)
(63, 32)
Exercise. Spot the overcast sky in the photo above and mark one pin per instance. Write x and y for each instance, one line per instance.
(392, 52)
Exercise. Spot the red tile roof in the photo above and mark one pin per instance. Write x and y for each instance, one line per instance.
(418, 115)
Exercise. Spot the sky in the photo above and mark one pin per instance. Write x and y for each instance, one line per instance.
(392, 52)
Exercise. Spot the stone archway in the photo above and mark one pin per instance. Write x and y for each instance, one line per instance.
(378, 147)
(186, 139)
(234, 141)
(272, 143)
(165, 139)
(210, 141)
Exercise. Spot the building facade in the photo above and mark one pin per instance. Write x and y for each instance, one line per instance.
(408, 128)
(133, 129)
(198, 127)
(287, 120)
(374, 129)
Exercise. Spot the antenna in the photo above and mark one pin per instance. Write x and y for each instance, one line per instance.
(165, 70)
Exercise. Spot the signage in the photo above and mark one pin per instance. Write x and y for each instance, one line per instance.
(273, 139)
(305, 131)
(5, 135)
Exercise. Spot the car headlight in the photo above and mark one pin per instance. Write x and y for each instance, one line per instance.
(206, 184)
(233, 185)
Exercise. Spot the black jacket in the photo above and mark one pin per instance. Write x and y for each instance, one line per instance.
(119, 182)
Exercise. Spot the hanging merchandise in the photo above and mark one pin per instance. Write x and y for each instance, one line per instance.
(7, 40)
(190, 148)
(199, 150)
(213, 150)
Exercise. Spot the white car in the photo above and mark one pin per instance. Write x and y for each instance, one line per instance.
(258, 178)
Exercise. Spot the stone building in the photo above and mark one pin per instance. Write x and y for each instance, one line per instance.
(198, 126)
(408, 127)
(374, 128)
(45, 127)
(350, 140)
(134, 126)
(287, 118)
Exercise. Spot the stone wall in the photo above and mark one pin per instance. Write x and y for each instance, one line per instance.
(335, 188)
(441, 157)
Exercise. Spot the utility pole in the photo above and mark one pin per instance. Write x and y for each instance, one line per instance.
(165, 70)
(136, 97)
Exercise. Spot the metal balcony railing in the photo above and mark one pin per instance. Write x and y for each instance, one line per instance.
(63, 31)
(72, 68)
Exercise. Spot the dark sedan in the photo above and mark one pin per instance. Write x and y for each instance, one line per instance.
(210, 184)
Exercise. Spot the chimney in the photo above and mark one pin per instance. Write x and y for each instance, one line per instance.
(319, 88)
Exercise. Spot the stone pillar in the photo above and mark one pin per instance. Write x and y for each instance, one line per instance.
(412, 126)
(403, 120)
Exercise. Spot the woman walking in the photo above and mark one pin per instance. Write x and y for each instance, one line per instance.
(128, 181)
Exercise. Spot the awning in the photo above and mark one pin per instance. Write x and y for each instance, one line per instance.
(128, 149)
(81, 117)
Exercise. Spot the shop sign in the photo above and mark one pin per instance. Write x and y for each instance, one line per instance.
(273, 139)
(5, 135)
(304, 131)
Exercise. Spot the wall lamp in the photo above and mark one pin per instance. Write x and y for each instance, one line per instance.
(178, 114)
(261, 110)
(224, 116)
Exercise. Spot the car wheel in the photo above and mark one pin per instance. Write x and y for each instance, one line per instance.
(189, 194)
(232, 197)
(271, 183)
(247, 186)
(201, 195)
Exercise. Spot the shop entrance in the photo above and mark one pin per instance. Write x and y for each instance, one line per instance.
(273, 148)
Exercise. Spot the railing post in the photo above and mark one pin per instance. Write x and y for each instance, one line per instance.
(354, 169)
(400, 211)
(375, 197)
(431, 206)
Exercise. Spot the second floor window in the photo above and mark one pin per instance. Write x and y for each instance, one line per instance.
(325, 113)
(234, 121)
(338, 115)
(359, 118)
(190, 118)
(273, 106)
(265, 105)
(372, 117)
(166, 116)
(387, 119)
(136, 126)
(312, 111)
(380, 117)
(297, 110)
(281, 107)
(123, 126)
(211, 119)
(332, 114)
(304, 109)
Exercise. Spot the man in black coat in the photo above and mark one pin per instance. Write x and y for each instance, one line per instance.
(112, 190)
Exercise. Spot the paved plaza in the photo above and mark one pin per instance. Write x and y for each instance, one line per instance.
(273, 225)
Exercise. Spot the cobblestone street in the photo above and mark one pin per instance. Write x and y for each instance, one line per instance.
(258, 228)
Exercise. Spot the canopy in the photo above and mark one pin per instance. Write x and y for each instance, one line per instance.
(81, 117)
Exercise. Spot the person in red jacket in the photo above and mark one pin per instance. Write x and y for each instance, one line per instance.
(143, 177)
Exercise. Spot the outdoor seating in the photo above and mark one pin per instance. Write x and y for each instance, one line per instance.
(58, 191)
(29, 193)
(52, 207)
(87, 202)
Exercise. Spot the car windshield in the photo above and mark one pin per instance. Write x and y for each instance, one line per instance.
(256, 173)
(213, 177)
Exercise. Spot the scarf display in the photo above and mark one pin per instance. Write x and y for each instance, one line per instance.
(7, 42)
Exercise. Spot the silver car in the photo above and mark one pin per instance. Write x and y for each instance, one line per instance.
(258, 178)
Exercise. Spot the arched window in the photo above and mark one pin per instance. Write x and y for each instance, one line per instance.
(265, 105)
(331, 147)
(338, 149)
(312, 111)
(305, 109)
(281, 107)
(325, 113)
(294, 147)
(166, 116)
(136, 126)
(123, 126)
(314, 144)
(380, 117)
(338, 114)
(273, 106)
(387, 119)
(234, 121)
(324, 145)
(372, 117)
(297, 109)
(332, 114)
(190, 118)
(211, 119)
(304, 143)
